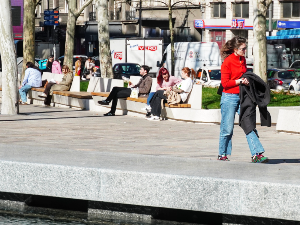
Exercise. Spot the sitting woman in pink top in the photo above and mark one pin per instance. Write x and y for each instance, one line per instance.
(56, 67)
(164, 82)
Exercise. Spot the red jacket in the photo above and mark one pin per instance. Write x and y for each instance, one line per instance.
(232, 69)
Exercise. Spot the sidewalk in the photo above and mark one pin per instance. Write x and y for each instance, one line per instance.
(83, 155)
(40, 127)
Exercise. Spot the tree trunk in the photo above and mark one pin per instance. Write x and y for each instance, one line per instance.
(70, 33)
(172, 72)
(28, 34)
(260, 8)
(73, 14)
(9, 63)
(104, 42)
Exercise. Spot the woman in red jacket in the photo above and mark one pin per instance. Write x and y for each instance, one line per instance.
(233, 67)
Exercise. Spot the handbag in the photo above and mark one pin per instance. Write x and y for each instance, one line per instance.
(134, 93)
(220, 89)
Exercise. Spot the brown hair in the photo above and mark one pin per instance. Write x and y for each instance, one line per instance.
(228, 48)
(190, 72)
(66, 68)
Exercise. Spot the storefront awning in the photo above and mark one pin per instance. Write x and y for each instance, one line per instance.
(282, 37)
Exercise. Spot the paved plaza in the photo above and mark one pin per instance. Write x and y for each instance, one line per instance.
(41, 130)
(128, 160)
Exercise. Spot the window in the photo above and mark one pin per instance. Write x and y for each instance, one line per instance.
(241, 10)
(16, 15)
(219, 10)
(290, 9)
(215, 74)
(204, 75)
(270, 73)
(66, 7)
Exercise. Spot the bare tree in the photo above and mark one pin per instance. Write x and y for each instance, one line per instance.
(260, 8)
(170, 7)
(9, 64)
(73, 14)
(28, 33)
(104, 42)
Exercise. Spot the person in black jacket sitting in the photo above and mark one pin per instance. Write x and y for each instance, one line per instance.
(144, 86)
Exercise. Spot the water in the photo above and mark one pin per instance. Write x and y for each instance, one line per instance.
(61, 217)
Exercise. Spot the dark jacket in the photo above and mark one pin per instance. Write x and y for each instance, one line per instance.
(256, 94)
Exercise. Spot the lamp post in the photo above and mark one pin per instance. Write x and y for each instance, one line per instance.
(140, 19)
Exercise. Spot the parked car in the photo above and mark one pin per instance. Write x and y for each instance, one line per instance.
(126, 70)
(210, 76)
(250, 68)
(280, 79)
(295, 65)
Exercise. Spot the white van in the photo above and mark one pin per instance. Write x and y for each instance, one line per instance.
(193, 55)
(137, 50)
(210, 76)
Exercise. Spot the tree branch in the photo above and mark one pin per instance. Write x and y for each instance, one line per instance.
(86, 3)
(38, 3)
(268, 2)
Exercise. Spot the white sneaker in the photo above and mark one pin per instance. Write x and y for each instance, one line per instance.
(83, 78)
(43, 95)
(154, 118)
(147, 108)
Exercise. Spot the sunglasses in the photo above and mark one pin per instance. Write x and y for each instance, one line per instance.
(242, 49)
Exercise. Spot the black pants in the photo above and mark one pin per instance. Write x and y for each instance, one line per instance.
(155, 102)
(47, 100)
(117, 92)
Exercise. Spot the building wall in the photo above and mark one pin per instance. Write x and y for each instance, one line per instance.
(277, 15)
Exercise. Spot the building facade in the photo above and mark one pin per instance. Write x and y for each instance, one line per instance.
(145, 19)
(224, 19)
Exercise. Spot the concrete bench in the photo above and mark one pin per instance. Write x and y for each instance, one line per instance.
(70, 99)
(142, 100)
(100, 88)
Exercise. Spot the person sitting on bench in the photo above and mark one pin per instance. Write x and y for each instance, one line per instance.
(63, 85)
(33, 78)
(144, 86)
(183, 88)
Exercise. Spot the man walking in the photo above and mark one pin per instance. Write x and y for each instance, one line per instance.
(144, 86)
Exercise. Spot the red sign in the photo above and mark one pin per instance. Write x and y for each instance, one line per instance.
(118, 55)
(151, 48)
(238, 23)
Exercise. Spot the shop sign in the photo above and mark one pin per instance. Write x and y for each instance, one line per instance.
(288, 24)
(199, 24)
(51, 23)
(51, 17)
(51, 12)
(238, 23)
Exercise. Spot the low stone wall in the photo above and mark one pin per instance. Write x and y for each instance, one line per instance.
(187, 186)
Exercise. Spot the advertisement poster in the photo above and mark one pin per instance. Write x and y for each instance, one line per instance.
(17, 18)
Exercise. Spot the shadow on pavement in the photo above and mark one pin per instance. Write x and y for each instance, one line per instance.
(280, 161)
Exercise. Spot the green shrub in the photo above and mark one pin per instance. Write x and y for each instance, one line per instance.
(211, 100)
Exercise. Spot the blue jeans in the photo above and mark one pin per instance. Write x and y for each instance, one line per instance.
(150, 97)
(23, 92)
(230, 104)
